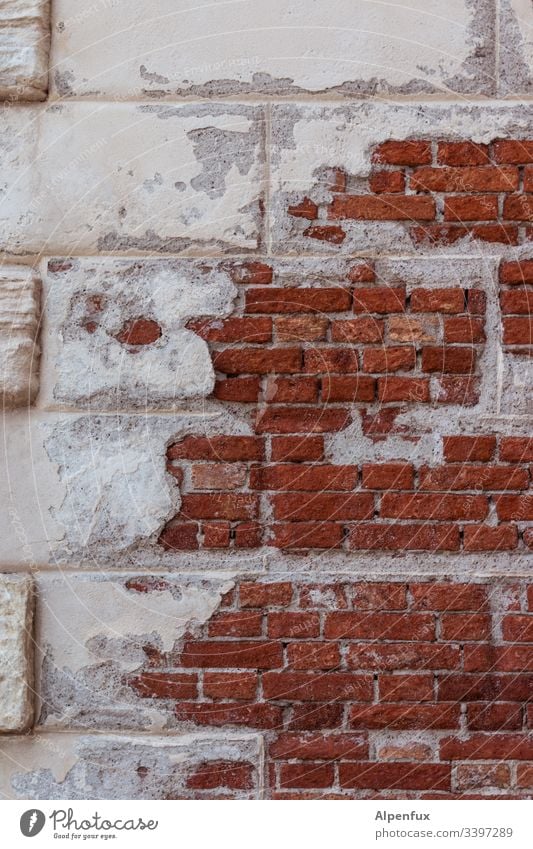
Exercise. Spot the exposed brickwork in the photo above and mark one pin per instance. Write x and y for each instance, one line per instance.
(362, 689)
(303, 362)
(443, 191)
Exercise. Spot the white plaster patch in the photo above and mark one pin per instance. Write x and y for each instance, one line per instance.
(130, 48)
(24, 47)
(16, 652)
(84, 178)
(88, 305)
(516, 46)
(107, 766)
(19, 354)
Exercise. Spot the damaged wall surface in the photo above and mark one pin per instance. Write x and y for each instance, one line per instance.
(266, 339)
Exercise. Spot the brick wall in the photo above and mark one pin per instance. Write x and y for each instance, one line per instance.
(265, 368)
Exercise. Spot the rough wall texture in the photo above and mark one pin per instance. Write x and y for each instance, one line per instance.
(265, 366)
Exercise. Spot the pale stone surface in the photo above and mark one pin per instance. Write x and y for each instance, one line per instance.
(90, 304)
(134, 178)
(19, 317)
(16, 652)
(309, 141)
(131, 48)
(24, 48)
(107, 766)
(516, 47)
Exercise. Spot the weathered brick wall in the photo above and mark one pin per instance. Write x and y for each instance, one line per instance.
(265, 365)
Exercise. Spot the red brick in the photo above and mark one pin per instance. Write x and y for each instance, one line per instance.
(365, 329)
(301, 420)
(318, 655)
(517, 272)
(216, 534)
(470, 626)
(438, 300)
(464, 329)
(211, 775)
(472, 449)
(324, 233)
(319, 747)
(392, 207)
(291, 390)
(516, 152)
(303, 626)
(381, 299)
(383, 422)
(462, 153)
(388, 475)
(305, 209)
(477, 302)
(490, 688)
(229, 506)
(218, 475)
(449, 360)
(518, 331)
(518, 208)
(248, 534)
(307, 535)
(302, 477)
(323, 506)
(514, 507)
(266, 595)
(179, 536)
(485, 538)
(251, 715)
(344, 625)
(484, 179)
(139, 331)
(306, 775)
(518, 629)
(298, 299)
(308, 717)
(351, 389)
(404, 716)
(304, 328)
(363, 272)
(458, 390)
(403, 153)
(243, 390)
(297, 448)
(394, 776)
(393, 656)
(471, 208)
(475, 777)
(304, 687)
(251, 273)
(406, 688)
(528, 179)
(487, 747)
(244, 330)
(494, 716)
(378, 596)
(229, 448)
(389, 359)
(524, 775)
(230, 685)
(320, 360)
(412, 537)
(517, 301)
(220, 654)
(449, 596)
(413, 506)
(165, 685)
(386, 182)
(473, 477)
(323, 596)
(236, 624)
(512, 658)
(257, 360)
(403, 389)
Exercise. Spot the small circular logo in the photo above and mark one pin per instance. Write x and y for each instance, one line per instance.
(32, 822)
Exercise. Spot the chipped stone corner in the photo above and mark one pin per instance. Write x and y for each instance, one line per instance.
(24, 46)
(19, 322)
(16, 653)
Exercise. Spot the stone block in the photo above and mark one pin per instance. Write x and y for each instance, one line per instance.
(24, 48)
(16, 653)
(19, 319)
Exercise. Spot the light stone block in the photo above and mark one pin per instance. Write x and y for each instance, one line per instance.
(16, 653)
(24, 49)
(129, 48)
(107, 766)
(19, 318)
(115, 331)
(131, 178)
(309, 142)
